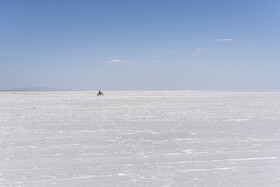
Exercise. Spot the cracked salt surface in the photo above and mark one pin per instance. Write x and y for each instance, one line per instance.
(157, 138)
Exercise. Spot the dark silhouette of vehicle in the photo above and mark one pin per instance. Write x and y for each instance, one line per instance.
(100, 93)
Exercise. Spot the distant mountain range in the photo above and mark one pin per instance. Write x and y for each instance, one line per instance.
(30, 89)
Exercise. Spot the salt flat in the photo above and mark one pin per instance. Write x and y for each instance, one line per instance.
(140, 138)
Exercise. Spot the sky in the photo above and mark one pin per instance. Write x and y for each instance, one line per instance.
(140, 44)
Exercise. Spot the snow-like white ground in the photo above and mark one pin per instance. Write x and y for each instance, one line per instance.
(172, 138)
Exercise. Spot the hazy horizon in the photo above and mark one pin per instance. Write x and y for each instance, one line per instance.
(47, 89)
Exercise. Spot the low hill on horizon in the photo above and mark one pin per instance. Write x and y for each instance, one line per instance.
(30, 89)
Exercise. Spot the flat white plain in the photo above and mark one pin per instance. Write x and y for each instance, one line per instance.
(140, 138)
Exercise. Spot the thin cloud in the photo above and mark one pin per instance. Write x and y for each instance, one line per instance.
(224, 40)
(198, 64)
(119, 61)
(199, 51)
(275, 51)
(156, 62)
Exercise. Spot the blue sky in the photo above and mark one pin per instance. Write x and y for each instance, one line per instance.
(140, 44)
